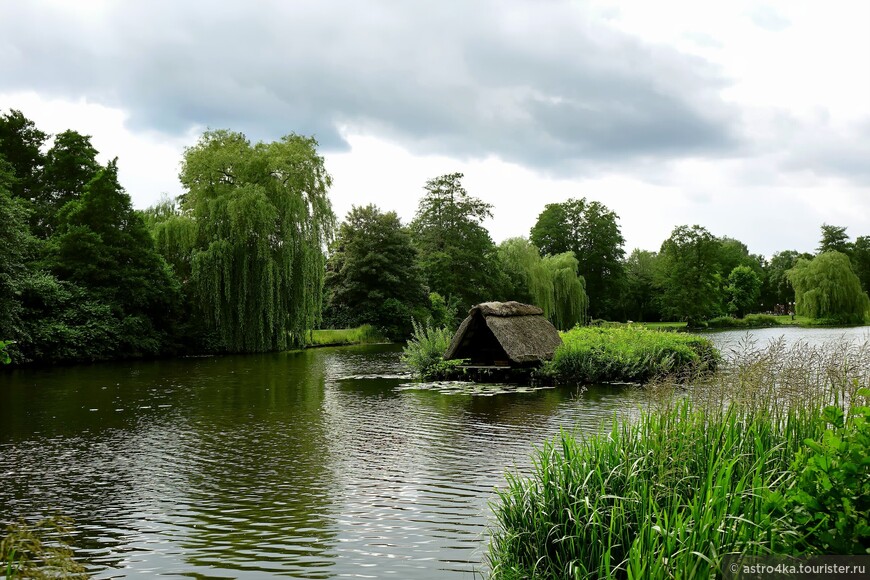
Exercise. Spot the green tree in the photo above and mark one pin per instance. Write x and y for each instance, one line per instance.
(688, 277)
(777, 287)
(834, 239)
(16, 244)
(640, 295)
(21, 145)
(826, 287)
(374, 264)
(101, 244)
(263, 218)
(457, 255)
(591, 231)
(744, 288)
(861, 261)
(70, 164)
(551, 282)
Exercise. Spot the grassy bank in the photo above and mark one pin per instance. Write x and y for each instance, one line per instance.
(769, 455)
(628, 353)
(365, 334)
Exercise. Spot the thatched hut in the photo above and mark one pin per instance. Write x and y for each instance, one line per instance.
(504, 334)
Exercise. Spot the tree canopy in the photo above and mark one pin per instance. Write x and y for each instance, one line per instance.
(688, 277)
(827, 288)
(457, 254)
(589, 230)
(373, 276)
(262, 221)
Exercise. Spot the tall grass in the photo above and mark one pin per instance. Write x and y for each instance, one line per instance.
(424, 352)
(39, 550)
(365, 334)
(629, 353)
(694, 478)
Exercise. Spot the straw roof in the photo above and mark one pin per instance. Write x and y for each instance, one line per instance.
(520, 329)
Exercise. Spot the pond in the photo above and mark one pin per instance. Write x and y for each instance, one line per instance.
(314, 464)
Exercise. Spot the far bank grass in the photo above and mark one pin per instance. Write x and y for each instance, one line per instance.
(365, 334)
(629, 353)
(749, 321)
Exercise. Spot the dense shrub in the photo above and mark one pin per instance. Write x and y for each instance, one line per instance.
(749, 321)
(628, 353)
(424, 352)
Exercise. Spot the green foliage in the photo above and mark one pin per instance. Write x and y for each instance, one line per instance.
(717, 470)
(262, 217)
(744, 288)
(551, 282)
(372, 276)
(589, 230)
(16, 247)
(834, 239)
(778, 287)
(826, 287)
(831, 496)
(688, 276)
(457, 255)
(861, 261)
(748, 321)
(424, 352)
(629, 353)
(39, 551)
(21, 145)
(364, 334)
(4, 352)
(664, 497)
(640, 303)
(441, 312)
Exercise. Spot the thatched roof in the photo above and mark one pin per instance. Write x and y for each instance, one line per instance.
(520, 329)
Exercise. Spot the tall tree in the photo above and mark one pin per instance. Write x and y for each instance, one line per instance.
(834, 239)
(263, 219)
(457, 255)
(640, 290)
(70, 164)
(551, 282)
(777, 287)
(591, 231)
(102, 245)
(861, 261)
(688, 275)
(15, 245)
(372, 276)
(743, 290)
(826, 287)
(21, 145)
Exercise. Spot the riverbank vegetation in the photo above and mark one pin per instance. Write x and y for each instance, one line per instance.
(629, 354)
(39, 550)
(249, 258)
(365, 334)
(767, 456)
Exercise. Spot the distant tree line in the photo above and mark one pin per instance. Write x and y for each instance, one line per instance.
(250, 258)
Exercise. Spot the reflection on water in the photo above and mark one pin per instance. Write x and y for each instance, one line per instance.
(314, 464)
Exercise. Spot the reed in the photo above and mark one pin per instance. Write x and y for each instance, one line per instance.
(716, 470)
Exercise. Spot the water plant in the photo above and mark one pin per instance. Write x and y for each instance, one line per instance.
(39, 550)
(424, 352)
(766, 456)
(628, 353)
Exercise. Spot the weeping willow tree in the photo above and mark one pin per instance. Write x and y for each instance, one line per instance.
(826, 287)
(256, 220)
(550, 283)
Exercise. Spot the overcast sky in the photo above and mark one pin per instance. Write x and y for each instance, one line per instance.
(749, 118)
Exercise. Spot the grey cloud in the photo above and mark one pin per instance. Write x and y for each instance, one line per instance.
(537, 84)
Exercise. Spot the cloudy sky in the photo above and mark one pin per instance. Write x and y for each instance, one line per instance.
(750, 118)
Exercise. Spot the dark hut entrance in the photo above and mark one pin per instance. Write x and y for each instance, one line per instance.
(479, 345)
(507, 335)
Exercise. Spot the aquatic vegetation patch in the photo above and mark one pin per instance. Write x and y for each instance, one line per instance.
(767, 456)
(629, 354)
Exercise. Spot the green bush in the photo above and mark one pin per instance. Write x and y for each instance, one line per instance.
(365, 334)
(425, 350)
(749, 321)
(628, 353)
(831, 496)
